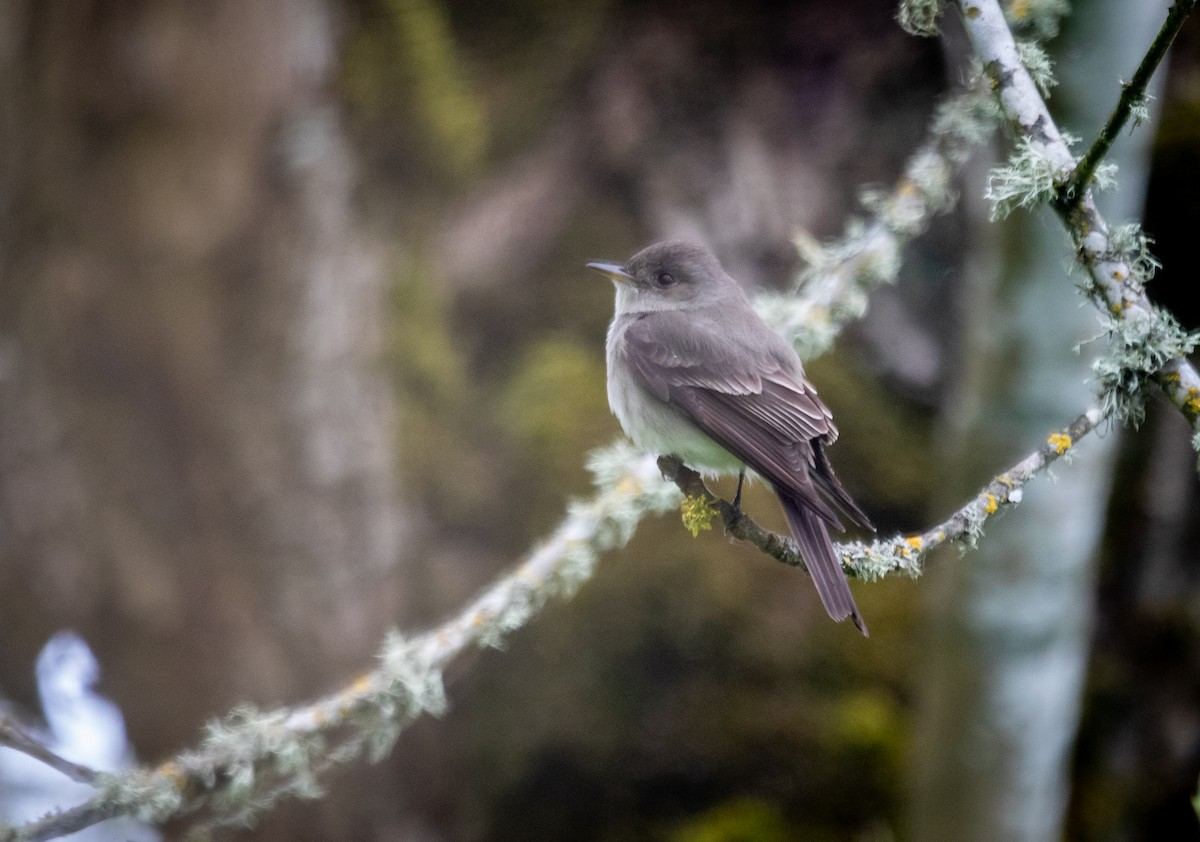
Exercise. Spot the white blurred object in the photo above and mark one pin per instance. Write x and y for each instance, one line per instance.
(82, 727)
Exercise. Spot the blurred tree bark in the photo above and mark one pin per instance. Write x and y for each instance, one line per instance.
(196, 441)
(1012, 622)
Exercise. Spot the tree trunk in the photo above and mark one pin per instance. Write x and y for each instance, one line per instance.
(1012, 620)
(196, 442)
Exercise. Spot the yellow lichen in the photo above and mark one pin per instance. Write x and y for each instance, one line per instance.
(1061, 443)
(171, 771)
(1193, 401)
(1020, 9)
(697, 514)
(990, 504)
(915, 542)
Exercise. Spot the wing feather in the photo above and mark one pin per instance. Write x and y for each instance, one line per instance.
(753, 401)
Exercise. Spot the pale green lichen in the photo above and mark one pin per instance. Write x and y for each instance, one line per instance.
(1131, 244)
(872, 561)
(967, 120)
(1039, 64)
(919, 17)
(1031, 177)
(1141, 343)
(150, 796)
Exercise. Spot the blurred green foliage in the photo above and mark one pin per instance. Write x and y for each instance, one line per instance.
(554, 406)
(404, 52)
(737, 820)
(883, 451)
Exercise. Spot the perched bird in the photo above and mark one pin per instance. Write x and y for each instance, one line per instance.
(693, 372)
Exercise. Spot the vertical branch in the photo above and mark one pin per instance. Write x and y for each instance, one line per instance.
(1132, 95)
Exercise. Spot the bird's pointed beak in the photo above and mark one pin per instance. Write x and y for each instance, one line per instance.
(614, 271)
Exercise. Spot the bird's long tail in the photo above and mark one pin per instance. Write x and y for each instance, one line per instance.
(816, 549)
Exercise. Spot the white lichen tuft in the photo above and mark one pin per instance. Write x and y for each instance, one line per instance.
(1032, 177)
(1028, 178)
(1131, 244)
(919, 17)
(1039, 64)
(1139, 111)
(1141, 343)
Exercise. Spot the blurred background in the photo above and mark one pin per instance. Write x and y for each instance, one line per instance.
(296, 344)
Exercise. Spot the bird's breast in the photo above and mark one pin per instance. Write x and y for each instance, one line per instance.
(656, 425)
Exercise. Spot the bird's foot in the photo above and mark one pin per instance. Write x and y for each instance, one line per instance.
(737, 497)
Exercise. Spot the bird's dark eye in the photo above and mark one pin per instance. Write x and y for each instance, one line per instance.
(664, 279)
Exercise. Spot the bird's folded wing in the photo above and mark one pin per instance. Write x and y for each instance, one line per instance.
(746, 401)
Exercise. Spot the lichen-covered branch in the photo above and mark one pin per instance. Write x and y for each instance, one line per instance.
(901, 553)
(1149, 345)
(251, 759)
(737, 523)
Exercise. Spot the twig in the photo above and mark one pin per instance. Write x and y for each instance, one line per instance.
(900, 554)
(1132, 94)
(1113, 286)
(15, 738)
(62, 823)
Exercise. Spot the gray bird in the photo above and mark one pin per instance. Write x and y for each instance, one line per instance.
(693, 372)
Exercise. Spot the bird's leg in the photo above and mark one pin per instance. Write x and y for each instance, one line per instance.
(737, 498)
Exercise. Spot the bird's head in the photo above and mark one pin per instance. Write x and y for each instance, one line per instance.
(672, 275)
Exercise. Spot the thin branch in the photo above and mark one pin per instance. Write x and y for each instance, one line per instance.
(1114, 286)
(15, 738)
(1133, 93)
(62, 823)
(900, 554)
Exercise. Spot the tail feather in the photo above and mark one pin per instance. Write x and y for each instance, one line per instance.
(816, 549)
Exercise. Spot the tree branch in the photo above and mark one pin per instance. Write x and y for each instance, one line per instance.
(737, 523)
(15, 738)
(1133, 94)
(900, 554)
(1114, 282)
(252, 759)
